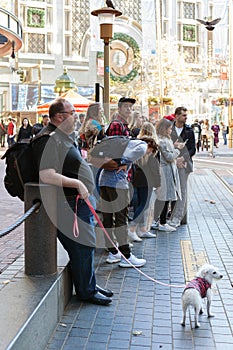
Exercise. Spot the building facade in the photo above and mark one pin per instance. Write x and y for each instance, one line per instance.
(58, 33)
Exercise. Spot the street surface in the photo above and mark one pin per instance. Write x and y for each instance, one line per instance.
(144, 314)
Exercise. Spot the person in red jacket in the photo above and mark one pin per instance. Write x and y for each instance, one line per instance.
(11, 132)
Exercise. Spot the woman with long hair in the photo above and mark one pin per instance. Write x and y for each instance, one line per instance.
(169, 190)
(146, 176)
(92, 128)
(135, 124)
(25, 131)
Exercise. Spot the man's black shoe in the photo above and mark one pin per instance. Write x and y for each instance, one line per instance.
(99, 299)
(106, 292)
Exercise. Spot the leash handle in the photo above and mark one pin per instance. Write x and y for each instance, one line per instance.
(75, 223)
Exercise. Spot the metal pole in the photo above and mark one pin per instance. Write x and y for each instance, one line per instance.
(160, 56)
(40, 233)
(39, 67)
(230, 120)
(97, 92)
(210, 52)
(106, 79)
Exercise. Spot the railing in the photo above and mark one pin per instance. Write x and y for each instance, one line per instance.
(40, 232)
(11, 29)
(20, 220)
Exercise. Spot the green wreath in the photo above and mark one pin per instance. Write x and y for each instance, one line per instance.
(133, 44)
(41, 15)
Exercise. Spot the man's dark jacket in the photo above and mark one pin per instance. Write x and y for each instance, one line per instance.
(190, 149)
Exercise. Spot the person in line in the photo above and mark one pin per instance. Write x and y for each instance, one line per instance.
(25, 131)
(114, 189)
(37, 127)
(92, 128)
(146, 177)
(147, 129)
(11, 132)
(224, 130)
(3, 132)
(169, 190)
(79, 122)
(183, 133)
(215, 128)
(60, 164)
(135, 124)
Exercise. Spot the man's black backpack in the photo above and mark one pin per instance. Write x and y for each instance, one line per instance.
(20, 167)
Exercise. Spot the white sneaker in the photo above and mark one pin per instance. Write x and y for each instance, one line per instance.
(135, 261)
(166, 227)
(133, 237)
(113, 258)
(174, 222)
(147, 234)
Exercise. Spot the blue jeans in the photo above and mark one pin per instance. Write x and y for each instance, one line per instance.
(143, 203)
(224, 135)
(81, 255)
(82, 266)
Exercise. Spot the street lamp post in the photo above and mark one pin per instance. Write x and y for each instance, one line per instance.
(106, 17)
(230, 119)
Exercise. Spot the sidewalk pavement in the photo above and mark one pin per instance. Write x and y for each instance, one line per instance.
(146, 315)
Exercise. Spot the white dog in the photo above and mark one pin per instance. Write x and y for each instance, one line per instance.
(197, 289)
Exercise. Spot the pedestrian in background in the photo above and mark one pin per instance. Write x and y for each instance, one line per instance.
(3, 132)
(25, 131)
(224, 130)
(197, 133)
(215, 128)
(11, 132)
(205, 134)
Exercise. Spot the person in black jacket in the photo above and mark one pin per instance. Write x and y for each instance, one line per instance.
(183, 133)
(25, 131)
(146, 177)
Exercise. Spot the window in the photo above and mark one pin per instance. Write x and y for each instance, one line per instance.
(36, 43)
(49, 18)
(189, 54)
(68, 21)
(68, 46)
(189, 10)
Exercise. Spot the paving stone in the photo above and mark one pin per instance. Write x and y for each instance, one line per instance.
(140, 305)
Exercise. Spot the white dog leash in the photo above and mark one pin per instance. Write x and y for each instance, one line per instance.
(107, 235)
